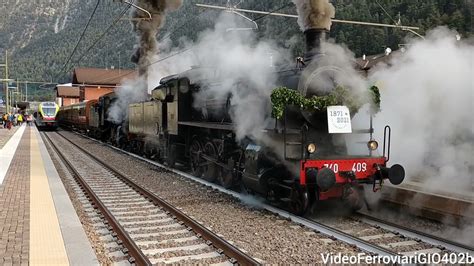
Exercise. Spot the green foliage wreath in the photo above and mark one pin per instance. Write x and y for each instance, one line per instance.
(283, 96)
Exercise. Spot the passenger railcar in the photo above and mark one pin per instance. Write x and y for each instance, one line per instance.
(45, 116)
(76, 115)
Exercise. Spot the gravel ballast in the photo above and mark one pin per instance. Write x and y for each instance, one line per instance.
(88, 217)
(263, 235)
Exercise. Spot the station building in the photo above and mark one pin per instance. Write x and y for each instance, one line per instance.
(91, 83)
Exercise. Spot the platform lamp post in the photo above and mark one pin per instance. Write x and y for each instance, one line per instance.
(26, 91)
(18, 89)
(6, 80)
(13, 98)
(7, 92)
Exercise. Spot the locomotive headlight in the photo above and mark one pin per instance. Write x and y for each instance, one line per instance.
(311, 148)
(372, 145)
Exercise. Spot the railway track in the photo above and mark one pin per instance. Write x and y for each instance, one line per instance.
(151, 230)
(367, 233)
(398, 239)
(433, 240)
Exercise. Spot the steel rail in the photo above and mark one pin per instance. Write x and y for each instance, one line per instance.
(133, 250)
(228, 249)
(430, 239)
(324, 229)
(409, 232)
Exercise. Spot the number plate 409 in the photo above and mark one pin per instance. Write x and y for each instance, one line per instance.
(356, 167)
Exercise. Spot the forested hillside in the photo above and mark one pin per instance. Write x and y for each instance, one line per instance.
(40, 35)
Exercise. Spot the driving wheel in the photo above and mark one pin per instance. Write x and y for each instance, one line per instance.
(196, 160)
(209, 167)
(226, 175)
(299, 200)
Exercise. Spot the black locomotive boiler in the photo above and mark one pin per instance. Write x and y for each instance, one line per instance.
(300, 158)
(308, 164)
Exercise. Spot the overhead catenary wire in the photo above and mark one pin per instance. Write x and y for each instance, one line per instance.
(123, 12)
(273, 11)
(150, 64)
(296, 16)
(385, 11)
(81, 37)
(164, 37)
(116, 21)
(189, 48)
(182, 25)
(264, 14)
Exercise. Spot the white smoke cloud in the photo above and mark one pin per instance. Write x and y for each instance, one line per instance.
(427, 98)
(234, 56)
(131, 91)
(337, 66)
(146, 28)
(314, 14)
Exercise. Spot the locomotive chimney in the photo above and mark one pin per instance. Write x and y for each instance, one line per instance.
(314, 41)
(314, 18)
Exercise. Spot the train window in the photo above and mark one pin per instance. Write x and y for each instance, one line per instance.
(172, 89)
(49, 111)
(184, 86)
(169, 98)
(173, 86)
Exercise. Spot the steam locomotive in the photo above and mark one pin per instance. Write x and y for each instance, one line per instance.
(303, 164)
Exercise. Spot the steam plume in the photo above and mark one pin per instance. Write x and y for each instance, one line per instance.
(132, 90)
(147, 28)
(314, 14)
(236, 57)
(427, 99)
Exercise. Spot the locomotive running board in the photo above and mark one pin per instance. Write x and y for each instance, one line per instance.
(223, 126)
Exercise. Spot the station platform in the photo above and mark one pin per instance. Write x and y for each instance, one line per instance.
(38, 223)
(437, 204)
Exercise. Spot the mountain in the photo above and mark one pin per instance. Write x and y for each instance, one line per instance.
(40, 35)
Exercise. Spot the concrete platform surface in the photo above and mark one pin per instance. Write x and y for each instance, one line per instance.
(38, 223)
(9, 140)
(5, 134)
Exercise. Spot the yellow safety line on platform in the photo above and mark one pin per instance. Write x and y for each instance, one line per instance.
(46, 241)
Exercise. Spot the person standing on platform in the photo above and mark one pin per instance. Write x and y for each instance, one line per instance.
(29, 119)
(11, 119)
(5, 120)
(20, 119)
